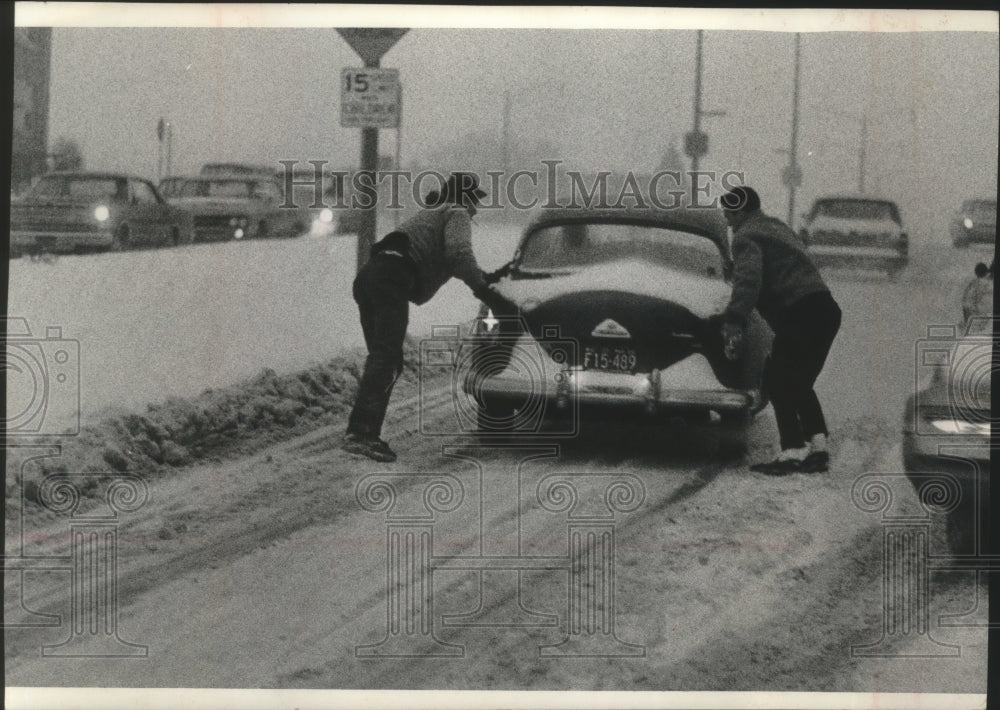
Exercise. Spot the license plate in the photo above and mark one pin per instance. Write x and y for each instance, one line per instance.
(612, 359)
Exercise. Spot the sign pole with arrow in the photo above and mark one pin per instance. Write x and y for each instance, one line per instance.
(370, 44)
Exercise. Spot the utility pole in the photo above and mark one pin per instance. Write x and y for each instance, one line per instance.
(696, 142)
(170, 146)
(861, 155)
(795, 175)
(697, 99)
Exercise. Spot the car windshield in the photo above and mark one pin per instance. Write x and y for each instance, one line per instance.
(170, 187)
(574, 245)
(856, 209)
(81, 188)
(981, 208)
(216, 188)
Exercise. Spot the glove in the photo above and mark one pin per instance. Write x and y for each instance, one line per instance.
(496, 302)
(732, 340)
(493, 277)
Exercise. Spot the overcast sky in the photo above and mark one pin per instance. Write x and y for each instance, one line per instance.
(609, 99)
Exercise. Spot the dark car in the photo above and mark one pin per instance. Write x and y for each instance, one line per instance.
(975, 221)
(946, 431)
(856, 232)
(83, 211)
(619, 313)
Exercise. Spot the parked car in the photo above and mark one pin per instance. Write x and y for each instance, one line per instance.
(83, 211)
(856, 231)
(619, 312)
(228, 207)
(975, 221)
(170, 186)
(946, 424)
(241, 169)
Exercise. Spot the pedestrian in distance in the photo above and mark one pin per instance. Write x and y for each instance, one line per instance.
(409, 265)
(773, 273)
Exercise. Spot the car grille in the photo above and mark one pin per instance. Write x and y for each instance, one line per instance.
(212, 222)
(39, 221)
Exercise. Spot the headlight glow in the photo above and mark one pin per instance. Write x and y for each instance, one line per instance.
(967, 222)
(238, 234)
(101, 213)
(326, 215)
(957, 426)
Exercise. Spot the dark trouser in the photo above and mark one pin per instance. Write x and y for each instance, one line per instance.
(381, 289)
(803, 334)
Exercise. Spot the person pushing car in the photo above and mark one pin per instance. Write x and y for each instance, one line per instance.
(410, 265)
(773, 273)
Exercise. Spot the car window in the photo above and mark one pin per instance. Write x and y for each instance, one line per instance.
(97, 188)
(981, 208)
(857, 209)
(170, 187)
(144, 193)
(575, 245)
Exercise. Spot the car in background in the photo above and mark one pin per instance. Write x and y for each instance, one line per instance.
(856, 232)
(975, 221)
(241, 169)
(169, 186)
(87, 211)
(619, 312)
(234, 207)
(947, 422)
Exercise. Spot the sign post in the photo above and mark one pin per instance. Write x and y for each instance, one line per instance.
(370, 44)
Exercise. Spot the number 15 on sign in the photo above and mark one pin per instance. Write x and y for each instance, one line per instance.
(369, 98)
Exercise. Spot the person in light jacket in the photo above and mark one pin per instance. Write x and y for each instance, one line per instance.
(410, 265)
(773, 273)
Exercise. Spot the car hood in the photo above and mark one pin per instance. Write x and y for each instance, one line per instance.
(838, 224)
(213, 205)
(703, 296)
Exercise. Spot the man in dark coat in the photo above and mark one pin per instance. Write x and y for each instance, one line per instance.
(410, 265)
(773, 273)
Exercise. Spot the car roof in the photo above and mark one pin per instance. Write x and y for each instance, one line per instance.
(708, 221)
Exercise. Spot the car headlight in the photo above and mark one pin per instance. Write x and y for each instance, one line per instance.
(959, 426)
(238, 234)
(967, 222)
(233, 222)
(101, 213)
(326, 215)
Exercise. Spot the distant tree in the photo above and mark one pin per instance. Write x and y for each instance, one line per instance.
(66, 155)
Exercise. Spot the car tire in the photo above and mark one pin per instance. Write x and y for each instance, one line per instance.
(262, 231)
(120, 239)
(175, 237)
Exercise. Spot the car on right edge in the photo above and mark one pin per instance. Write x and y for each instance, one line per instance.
(947, 422)
(975, 221)
(856, 231)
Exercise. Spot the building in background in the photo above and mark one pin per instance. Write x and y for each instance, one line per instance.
(32, 61)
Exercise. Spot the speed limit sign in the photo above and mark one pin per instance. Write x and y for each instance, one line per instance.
(369, 98)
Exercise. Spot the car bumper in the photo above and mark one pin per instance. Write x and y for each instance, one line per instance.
(217, 234)
(687, 386)
(978, 236)
(849, 255)
(59, 241)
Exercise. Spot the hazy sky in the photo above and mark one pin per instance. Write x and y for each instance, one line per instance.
(607, 99)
